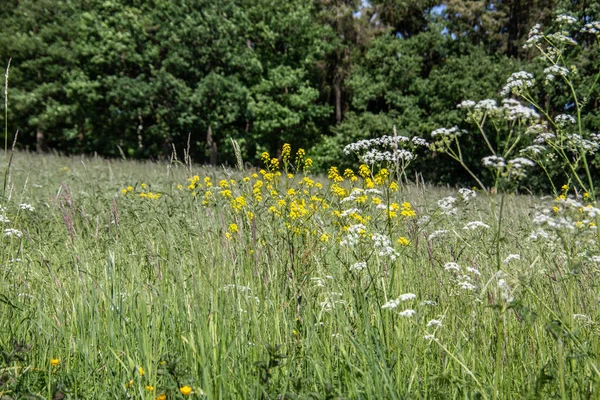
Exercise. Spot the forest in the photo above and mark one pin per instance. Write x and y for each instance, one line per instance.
(161, 79)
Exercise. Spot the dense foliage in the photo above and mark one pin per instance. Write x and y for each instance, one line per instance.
(144, 78)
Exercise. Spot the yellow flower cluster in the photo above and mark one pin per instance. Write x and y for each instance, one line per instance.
(129, 190)
(284, 197)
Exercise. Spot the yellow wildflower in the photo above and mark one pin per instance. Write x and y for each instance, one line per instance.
(285, 152)
(402, 241)
(325, 237)
(185, 390)
(364, 171)
(130, 188)
(179, 187)
(141, 371)
(233, 228)
(161, 397)
(124, 191)
(54, 362)
(144, 186)
(150, 388)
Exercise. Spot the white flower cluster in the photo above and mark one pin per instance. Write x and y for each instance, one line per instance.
(554, 70)
(463, 280)
(575, 142)
(372, 151)
(544, 138)
(534, 37)
(473, 225)
(466, 194)
(393, 303)
(353, 235)
(494, 162)
(592, 27)
(511, 257)
(356, 192)
(419, 141)
(505, 289)
(561, 38)
(563, 120)
(434, 323)
(514, 110)
(12, 232)
(516, 165)
(449, 132)
(373, 156)
(350, 211)
(533, 150)
(27, 207)
(359, 266)
(517, 82)
(384, 246)
(565, 19)
(446, 205)
(466, 104)
(436, 234)
(383, 141)
(521, 162)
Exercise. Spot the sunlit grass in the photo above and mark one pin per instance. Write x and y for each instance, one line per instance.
(113, 295)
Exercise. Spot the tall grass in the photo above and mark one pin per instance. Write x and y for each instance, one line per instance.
(108, 283)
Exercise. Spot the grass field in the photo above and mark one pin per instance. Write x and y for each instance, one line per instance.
(137, 280)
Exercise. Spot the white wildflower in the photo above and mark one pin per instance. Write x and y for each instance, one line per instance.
(434, 322)
(511, 257)
(475, 225)
(391, 304)
(407, 313)
(452, 266)
(494, 162)
(27, 207)
(12, 232)
(518, 82)
(437, 233)
(466, 104)
(359, 266)
(449, 132)
(407, 296)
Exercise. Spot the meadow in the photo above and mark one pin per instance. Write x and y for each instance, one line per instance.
(161, 281)
(170, 280)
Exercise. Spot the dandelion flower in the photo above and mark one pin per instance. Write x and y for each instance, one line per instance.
(54, 362)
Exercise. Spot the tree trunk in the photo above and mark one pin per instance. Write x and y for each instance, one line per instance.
(212, 146)
(40, 143)
(338, 101)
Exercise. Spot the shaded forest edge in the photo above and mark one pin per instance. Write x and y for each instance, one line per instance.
(142, 78)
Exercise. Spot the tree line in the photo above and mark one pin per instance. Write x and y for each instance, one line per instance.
(141, 78)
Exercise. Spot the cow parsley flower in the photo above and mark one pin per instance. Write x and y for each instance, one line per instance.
(475, 225)
(407, 313)
(518, 82)
(511, 257)
(494, 162)
(434, 323)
